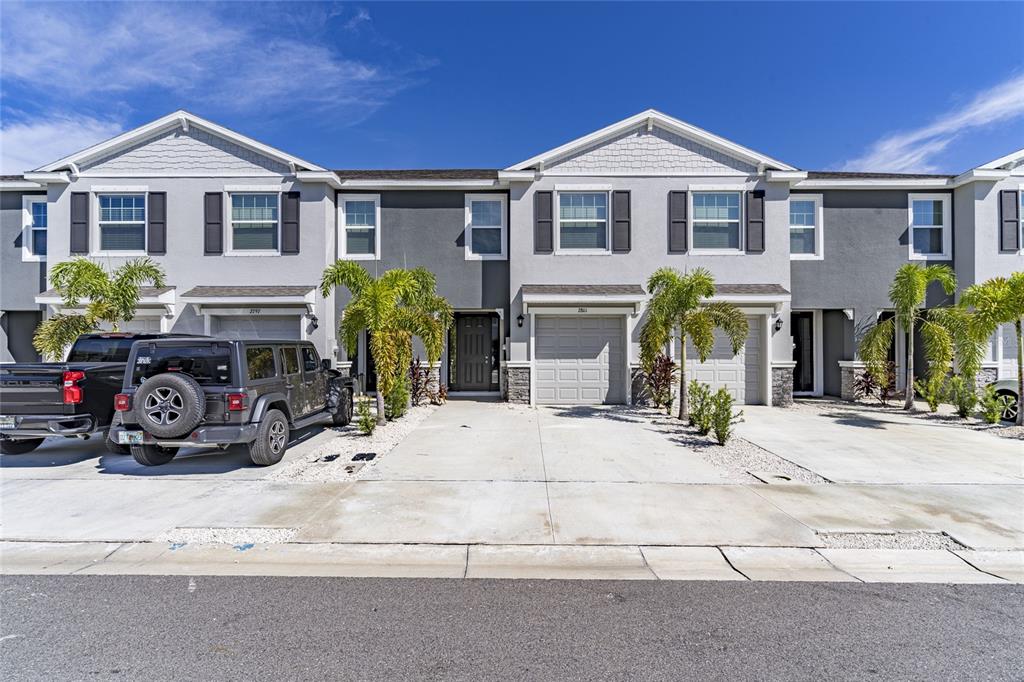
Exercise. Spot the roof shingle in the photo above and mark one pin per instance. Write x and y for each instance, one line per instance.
(247, 291)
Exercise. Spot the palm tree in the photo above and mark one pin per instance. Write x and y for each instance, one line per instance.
(394, 307)
(996, 302)
(942, 330)
(677, 309)
(109, 297)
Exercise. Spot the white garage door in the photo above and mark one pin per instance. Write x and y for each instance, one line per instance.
(579, 360)
(284, 327)
(739, 374)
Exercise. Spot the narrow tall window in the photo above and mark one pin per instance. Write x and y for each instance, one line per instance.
(716, 221)
(33, 239)
(929, 226)
(583, 221)
(485, 226)
(122, 222)
(805, 235)
(360, 215)
(254, 222)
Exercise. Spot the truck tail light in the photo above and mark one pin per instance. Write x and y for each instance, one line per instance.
(236, 402)
(73, 394)
(122, 402)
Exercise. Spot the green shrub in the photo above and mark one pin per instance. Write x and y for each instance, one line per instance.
(960, 394)
(396, 403)
(723, 420)
(365, 419)
(993, 405)
(700, 406)
(930, 390)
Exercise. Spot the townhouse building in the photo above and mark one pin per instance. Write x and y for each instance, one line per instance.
(545, 262)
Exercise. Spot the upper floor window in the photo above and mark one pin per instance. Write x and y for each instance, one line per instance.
(930, 233)
(716, 221)
(122, 222)
(583, 221)
(33, 237)
(805, 235)
(360, 221)
(485, 226)
(254, 222)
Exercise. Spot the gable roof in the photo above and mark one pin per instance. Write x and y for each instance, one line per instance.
(653, 117)
(178, 119)
(1004, 162)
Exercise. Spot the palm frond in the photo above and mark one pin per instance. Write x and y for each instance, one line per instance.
(53, 336)
(730, 320)
(344, 273)
(874, 348)
(78, 279)
(700, 329)
(938, 347)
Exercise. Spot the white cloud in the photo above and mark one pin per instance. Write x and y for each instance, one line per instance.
(258, 59)
(915, 151)
(26, 145)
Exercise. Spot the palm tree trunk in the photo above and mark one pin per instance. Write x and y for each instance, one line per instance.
(908, 403)
(684, 408)
(1020, 373)
(380, 407)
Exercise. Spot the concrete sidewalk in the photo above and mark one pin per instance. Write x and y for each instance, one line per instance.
(595, 562)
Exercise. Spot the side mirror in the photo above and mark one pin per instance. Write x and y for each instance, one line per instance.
(325, 363)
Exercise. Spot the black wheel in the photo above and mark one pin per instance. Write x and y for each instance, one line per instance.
(1010, 412)
(117, 449)
(169, 405)
(20, 446)
(153, 455)
(343, 413)
(271, 439)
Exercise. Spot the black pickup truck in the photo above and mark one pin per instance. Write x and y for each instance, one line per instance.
(72, 399)
(212, 393)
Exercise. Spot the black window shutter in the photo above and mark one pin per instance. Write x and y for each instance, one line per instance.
(1009, 221)
(79, 222)
(290, 222)
(621, 237)
(755, 221)
(213, 232)
(156, 230)
(677, 222)
(543, 222)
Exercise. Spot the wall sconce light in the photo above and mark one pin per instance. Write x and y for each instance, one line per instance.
(778, 323)
(519, 320)
(314, 322)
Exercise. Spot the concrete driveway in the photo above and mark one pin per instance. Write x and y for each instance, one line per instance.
(847, 444)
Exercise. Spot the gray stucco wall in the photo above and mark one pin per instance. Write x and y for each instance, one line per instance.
(19, 281)
(427, 228)
(865, 242)
(186, 265)
(649, 246)
(978, 257)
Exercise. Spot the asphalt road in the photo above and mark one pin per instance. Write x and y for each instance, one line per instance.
(162, 628)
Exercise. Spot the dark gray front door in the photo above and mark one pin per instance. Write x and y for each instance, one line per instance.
(803, 352)
(473, 335)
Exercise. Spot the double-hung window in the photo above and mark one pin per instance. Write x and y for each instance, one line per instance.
(33, 238)
(122, 222)
(716, 221)
(583, 221)
(930, 233)
(485, 227)
(805, 234)
(360, 224)
(255, 225)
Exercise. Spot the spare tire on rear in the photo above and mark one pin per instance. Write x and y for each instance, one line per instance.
(169, 405)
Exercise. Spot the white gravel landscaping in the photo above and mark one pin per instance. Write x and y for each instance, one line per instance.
(946, 415)
(226, 536)
(897, 540)
(332, 461)
(744, 461)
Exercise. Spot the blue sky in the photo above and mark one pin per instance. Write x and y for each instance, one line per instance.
(875, 86)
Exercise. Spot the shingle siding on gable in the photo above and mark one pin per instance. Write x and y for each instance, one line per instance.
(194, 150)
(639, 151)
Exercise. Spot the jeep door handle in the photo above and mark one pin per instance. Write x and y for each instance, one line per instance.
(289, 386)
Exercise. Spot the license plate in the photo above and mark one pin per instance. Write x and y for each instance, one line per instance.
(129, 437)
(6, 422)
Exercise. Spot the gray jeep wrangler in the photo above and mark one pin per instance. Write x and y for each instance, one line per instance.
(203, 392)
